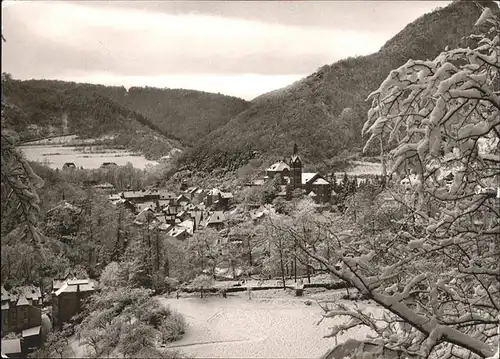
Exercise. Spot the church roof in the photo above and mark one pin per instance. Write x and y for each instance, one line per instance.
(295, 158)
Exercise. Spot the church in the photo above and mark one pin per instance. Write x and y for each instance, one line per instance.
(311, 184)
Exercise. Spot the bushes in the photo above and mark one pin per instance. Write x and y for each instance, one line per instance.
(172, 328)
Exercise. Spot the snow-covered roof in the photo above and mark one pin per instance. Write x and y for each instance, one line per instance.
(22, 300)
(188, 224)
(321, 181)
(72, 286)
(177, 231)
(226, 195)
(259, 182)
(11, 346)
(278, 167)
(216, 217)
(32, 331)
(165, 227)
(307, 176)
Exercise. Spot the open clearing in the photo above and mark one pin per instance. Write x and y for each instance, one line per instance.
(56, 156)
(272, 327)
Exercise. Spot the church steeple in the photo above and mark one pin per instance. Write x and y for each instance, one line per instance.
(295, 169)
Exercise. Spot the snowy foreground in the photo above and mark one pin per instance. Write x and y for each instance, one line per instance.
(271, 325)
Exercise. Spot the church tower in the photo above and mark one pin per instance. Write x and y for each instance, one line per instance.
(295, 169)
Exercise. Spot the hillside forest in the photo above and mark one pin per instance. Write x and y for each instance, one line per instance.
(415, 241)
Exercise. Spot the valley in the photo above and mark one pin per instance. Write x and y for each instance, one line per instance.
(351, 214)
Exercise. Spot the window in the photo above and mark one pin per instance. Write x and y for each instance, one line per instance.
(14, 316)
(25, 315)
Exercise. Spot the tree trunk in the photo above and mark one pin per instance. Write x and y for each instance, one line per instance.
(282, 264)
(250, 260)
(295, 262)
(308, 271)
(157, 250)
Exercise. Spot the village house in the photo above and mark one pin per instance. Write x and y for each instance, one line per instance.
(21, 309)
(69, 166)
(147, 215)
(182, 200)
(280, 168)
(68, 297)
(215, 220)
(219, 200)
(179, 233)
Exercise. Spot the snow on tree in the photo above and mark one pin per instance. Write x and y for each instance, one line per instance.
(437, 273)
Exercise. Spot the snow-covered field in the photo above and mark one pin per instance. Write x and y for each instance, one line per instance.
(271, 325)
(56, 156)
(364, 168)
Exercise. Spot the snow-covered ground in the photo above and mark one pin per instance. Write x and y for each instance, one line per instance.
(273, 324)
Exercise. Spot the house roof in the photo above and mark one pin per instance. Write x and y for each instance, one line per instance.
(308, 176)
(321, 181)
(166, 195)
(5, 306)
(214, 192)
(278, 167)
(312, 194)
(134, 194)
(145, 205)
(61, 206)
(226, 195)
(165, 227)
(32, 331)
(188, 224)
(11, 346)
(22, 295)
(5, 294)
(104, 185)
(143, 215)
(72, 286)
(22, 300)
(216, 217)
(177, 231)
(259, 182)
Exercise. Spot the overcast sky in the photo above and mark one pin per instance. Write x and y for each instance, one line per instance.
(232, 47)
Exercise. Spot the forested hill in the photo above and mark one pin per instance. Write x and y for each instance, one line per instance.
(40, 108)
(186, 114)
(324, 112)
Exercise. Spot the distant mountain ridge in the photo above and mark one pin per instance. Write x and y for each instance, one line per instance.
(164, 118)
(324, 112)
(40, 108)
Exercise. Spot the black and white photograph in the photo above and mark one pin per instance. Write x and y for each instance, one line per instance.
(233, 179)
